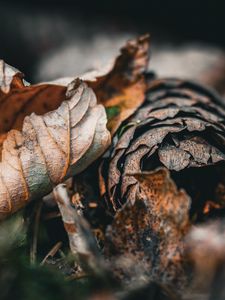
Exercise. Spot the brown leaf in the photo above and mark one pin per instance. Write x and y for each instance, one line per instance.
(123, 88)
(18, 99)
(9, 77)
(51, 147)
(121, 85)
(73, 135)
(146, 238)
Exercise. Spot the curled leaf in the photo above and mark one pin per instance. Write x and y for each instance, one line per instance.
(51, 147)
(119, 88)
(9, 77)
(19, 99)
(121, 85)
(74, 134)
(122, 90)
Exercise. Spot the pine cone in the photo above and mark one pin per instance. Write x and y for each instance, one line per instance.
(181, 126)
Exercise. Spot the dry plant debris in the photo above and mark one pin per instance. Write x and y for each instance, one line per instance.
(180, 126)
(143, 159)
(74, 133)
(146, 238)
(51, 147)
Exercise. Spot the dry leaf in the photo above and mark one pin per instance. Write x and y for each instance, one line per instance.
(145, 241)
(18, 99)
(182, 127)
(77, 127)
(121, 85)
(51, 147)
(122, 90)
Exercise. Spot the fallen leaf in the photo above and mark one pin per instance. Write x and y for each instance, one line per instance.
(122, 90)
(145, 241)
(19, 99)
(74, 136)
(121, 85)
(9, 77)
(51, 147)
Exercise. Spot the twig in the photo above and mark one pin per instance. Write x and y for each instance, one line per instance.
(82, 242)
(51, 215)
(33, 249)
(78, 276)
(52, 252)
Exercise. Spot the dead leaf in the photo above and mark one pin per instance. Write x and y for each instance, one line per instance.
(19, 99)
(9, 77)
(121, 85)
(145, 241)
(51, 147)
(123, 88)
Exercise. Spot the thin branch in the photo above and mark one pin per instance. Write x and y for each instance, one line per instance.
(52, 252)
(33, 248)
(82, 242)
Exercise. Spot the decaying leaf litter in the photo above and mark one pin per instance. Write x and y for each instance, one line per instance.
(136, 165)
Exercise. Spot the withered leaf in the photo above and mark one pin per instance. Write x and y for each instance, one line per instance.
(122, 90)
(27, 163)
(50, 147)
(9, 77)
(122, 86)
(146, 239)
(19, 99)
(180, 126)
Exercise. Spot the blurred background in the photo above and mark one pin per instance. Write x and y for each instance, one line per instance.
(46, 39)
